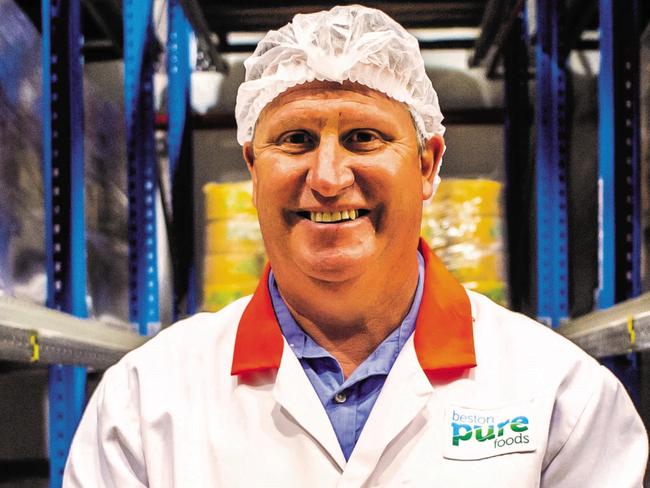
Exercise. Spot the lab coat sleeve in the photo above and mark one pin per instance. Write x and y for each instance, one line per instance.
(604, 442)
(107, 448)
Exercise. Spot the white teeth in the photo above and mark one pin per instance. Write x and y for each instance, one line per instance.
(336, 216)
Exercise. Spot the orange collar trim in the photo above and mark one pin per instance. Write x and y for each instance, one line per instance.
(259, 342)
(444, 332)
(443, 338)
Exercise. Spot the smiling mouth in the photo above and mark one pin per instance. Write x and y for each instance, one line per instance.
(334, 217)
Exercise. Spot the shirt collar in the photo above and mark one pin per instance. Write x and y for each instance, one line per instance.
(443, 337)
(295, 336)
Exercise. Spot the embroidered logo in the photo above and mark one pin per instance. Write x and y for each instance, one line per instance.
(477, 434)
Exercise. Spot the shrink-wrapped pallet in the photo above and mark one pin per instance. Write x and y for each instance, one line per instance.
(463, 225)
(235, 256)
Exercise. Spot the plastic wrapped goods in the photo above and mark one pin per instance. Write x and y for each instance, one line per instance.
(463, 224)
(229, 200)
(22, 239)
(22, 267)
(235, 256)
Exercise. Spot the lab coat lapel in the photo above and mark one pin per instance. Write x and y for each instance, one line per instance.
(297, 396)
(405, 393)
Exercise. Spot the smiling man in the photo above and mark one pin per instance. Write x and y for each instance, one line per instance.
(339, 179)
(359, 361)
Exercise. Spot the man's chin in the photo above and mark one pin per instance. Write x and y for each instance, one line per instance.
(335, 265)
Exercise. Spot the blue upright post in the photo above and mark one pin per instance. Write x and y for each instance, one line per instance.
(517, 161)
(63, 178)
(139, 58)
(551, 164)
(619, 188)
(179, 137)
(619, 222)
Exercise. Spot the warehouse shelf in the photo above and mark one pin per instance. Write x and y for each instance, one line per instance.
(31, 333)
(621, 329)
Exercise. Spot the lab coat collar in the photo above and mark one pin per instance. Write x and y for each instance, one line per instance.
(443, 338)
(444, 334)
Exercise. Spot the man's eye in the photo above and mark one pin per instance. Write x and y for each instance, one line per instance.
(363, 140)
(362, 137)
(296, 138)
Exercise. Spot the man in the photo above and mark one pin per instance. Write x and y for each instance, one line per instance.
(359, 360)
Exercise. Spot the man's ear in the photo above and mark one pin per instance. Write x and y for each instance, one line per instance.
(249, 157)
(430, 161)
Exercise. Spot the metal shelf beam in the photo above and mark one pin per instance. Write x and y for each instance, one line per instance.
(618, 330)
(30, 333)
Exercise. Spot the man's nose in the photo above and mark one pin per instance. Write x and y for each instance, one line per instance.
(330, 172)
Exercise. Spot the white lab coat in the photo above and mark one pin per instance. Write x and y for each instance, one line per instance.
(171, 414)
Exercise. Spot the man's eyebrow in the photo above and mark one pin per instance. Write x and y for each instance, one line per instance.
(280, 122)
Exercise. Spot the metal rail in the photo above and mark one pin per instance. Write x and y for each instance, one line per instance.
(618, 330)
(31, 333)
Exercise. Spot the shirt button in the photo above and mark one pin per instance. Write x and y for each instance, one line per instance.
(340, 397)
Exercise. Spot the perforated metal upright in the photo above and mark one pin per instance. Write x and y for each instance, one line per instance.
(139, 59)
(63, 175)
(619, 220)
(551, 165)
(517, 159)
(179, 137)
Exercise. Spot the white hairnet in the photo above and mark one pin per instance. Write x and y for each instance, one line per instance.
(353, 43)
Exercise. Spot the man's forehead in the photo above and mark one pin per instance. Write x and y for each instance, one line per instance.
(354, 92)
(333, 86)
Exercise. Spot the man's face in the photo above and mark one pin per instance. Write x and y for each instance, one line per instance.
(338, 181)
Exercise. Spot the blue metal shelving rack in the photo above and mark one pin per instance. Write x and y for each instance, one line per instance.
(619, 233)
(551, 165)
(139, 58)
(179, 146)
(619, 222)
(63, 174)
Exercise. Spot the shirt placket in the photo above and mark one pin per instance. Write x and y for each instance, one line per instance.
(344, 406)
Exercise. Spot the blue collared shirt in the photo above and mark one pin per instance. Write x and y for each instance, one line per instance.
(347, 402)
